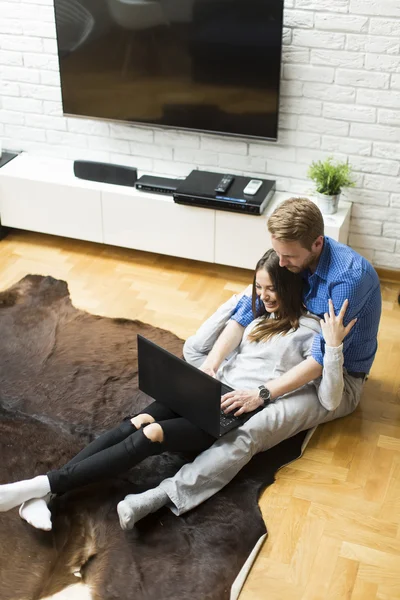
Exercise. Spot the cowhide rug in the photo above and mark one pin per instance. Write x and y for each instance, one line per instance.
(66, 376)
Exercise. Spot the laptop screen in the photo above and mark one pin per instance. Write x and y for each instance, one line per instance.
(183, 388)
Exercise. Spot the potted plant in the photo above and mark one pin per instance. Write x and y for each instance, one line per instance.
(330, 177)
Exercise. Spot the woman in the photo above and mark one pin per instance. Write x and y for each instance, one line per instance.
(278, 339)
(277, 350)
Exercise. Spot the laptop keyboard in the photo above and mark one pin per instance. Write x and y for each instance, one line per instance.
(226, 420)
(225, 389)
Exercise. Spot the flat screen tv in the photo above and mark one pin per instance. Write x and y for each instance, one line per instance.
(204, 65)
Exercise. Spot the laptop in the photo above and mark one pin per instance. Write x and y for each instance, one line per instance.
(186, 390)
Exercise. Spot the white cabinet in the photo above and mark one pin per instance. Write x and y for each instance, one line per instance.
(240, 240)
(43, 194)
(51, 208)
(156, 224)
(337, 226)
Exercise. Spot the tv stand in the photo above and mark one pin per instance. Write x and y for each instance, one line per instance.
(43, 195)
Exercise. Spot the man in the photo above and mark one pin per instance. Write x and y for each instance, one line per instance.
(332, 272)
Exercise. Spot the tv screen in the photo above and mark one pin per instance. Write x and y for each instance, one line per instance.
(205, 65)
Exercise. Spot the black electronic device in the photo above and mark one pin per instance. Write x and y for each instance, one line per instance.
(105, 172)
(5, 157)
(185, 389)
(198, 189)
(157, 185)
(223, 184)
(203, 65)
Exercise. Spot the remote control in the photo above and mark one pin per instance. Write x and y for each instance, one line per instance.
(252, 187)
(224, 184)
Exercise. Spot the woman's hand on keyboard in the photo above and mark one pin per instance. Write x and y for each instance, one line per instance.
(241, 401)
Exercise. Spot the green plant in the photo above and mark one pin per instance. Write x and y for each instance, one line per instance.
(330, 177)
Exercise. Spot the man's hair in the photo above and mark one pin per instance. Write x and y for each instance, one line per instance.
(297, 220)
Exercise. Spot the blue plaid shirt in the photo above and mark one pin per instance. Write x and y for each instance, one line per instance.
(341, 273)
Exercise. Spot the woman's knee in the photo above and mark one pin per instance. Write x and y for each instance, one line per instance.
(154, 432)
(142, 419)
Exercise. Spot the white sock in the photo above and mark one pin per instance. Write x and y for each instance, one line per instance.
(36, 513)
(12, 494)
(136, 506)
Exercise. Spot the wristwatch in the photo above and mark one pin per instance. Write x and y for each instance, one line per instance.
(264, 394)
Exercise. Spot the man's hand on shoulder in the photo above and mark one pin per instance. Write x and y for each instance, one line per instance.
(332, 326)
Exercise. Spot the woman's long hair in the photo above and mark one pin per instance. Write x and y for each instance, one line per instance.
(289, 293)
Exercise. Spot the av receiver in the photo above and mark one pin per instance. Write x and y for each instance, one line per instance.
(201, 188)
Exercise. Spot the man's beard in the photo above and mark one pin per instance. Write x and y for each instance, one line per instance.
(309, 261)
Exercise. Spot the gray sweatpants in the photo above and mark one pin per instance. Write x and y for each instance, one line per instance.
(214, 468)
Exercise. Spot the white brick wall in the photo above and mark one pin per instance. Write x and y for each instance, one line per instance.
(340, 95)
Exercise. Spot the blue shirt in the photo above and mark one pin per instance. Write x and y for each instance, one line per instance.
(341, 273)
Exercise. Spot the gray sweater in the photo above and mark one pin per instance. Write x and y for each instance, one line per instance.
(254, 363)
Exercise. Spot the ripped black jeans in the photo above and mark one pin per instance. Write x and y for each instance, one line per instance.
(123, 447)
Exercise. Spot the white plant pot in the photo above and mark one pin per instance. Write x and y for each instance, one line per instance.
(328, 205)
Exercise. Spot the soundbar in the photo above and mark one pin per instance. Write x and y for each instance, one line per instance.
(199, 189)
(105, 172)
(157, 185)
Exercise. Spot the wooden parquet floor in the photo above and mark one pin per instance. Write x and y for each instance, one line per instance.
(333, 516)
